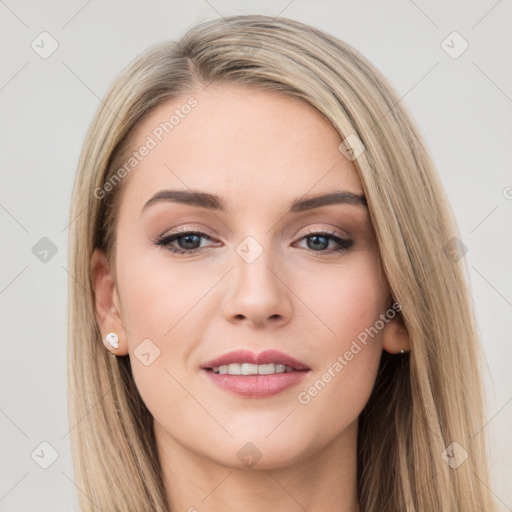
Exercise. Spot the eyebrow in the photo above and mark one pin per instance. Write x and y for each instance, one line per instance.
(213, 202)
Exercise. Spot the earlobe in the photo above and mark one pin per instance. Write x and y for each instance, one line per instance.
(396, 337)
(106, 304)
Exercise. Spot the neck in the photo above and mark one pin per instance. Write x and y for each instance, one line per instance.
(324, 481)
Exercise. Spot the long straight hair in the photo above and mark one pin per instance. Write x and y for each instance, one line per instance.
(422, 402)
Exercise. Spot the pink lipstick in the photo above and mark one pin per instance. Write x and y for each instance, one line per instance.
(255, 375)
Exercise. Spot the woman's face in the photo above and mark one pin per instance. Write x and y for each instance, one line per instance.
(253, 274)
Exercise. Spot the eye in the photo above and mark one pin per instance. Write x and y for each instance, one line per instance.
(318, 241)
(189, 242)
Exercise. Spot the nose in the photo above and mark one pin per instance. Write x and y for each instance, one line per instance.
(257, 293)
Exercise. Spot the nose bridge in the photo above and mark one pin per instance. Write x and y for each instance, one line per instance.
(257, 290)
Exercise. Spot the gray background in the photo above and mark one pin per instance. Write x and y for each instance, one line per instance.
(462, 105)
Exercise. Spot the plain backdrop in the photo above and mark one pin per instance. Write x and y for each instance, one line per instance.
(461, 100)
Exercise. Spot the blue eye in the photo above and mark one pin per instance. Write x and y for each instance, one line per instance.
(189, 242)
(321, 240)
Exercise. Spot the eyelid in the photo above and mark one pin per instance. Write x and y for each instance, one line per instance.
(187, 229)
(330, 230)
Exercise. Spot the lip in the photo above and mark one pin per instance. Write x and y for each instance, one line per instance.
(265, 357)
(256, 386)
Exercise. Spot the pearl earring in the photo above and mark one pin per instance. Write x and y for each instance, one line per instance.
(402, 351)
(112, 339)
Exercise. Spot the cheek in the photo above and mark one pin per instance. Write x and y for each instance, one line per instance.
(157, 295)
(350, 304)
(344, 299)
(157, 308)
(163, 312)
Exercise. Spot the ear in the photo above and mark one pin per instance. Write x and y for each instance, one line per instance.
(107, 305)
(395, 337)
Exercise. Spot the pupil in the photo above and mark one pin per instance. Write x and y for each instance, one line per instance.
(187, 239)
(315, 244)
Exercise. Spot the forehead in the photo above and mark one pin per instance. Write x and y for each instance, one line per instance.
(249, 145)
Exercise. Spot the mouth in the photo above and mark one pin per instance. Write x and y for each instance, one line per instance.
(252, 369)
(255, 375)
(244, 362)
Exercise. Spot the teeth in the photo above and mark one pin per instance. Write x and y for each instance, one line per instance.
(266, 369)
(251, 369)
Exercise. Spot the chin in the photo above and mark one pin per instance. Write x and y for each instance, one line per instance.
(258, 452)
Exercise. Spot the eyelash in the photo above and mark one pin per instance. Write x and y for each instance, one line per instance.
(165, 241)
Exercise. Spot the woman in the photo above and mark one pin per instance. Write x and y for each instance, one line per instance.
(268, 310)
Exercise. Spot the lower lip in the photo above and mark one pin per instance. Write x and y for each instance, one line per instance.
(256, 386)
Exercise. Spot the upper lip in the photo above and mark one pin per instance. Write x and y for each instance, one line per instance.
(265, 357)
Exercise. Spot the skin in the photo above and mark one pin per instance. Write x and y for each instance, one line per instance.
(258, 150)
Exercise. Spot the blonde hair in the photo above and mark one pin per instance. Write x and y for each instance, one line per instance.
(421, 403)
